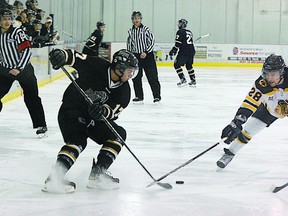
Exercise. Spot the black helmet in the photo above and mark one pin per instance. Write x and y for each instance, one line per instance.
(5, 13)
(182, 23)
(124, 59)
(18, 4)
(273, 63)
(99, 24)
(29, 3)
(136, 13)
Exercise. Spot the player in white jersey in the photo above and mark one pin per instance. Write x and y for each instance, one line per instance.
(266, 102)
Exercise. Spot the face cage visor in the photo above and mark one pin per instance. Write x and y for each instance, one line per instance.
(123, 68)
(265, 73)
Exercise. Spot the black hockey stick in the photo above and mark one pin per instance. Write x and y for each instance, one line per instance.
(184, 164)
(203, 36)
(276, 189)
(90, 102)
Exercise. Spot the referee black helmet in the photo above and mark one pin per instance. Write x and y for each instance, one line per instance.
(136, 13)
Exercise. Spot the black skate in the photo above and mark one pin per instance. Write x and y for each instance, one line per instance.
(192, 83)
(138, 100)
(183, 82)
(225, 159)
(156, 100)
(101, 179)
(42, 132)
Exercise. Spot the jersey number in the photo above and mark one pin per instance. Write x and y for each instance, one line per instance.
(81, 56)
(255, 94)
(189, 38)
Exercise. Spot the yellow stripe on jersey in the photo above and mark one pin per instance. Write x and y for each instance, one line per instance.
(250, 99)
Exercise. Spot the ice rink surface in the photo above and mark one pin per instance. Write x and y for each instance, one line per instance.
(187, 122)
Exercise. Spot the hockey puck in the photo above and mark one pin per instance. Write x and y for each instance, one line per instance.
(179, 182)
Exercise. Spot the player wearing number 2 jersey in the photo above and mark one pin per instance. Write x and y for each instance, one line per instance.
(266, 102)
(186, 51)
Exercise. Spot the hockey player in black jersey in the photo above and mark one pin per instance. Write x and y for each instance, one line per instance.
(106, 85)
(265, 103)
(186, 51)
(95, 41)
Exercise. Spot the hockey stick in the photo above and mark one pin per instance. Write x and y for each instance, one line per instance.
(203, 36)
(90, 102)
(275, 189)
(184, 164)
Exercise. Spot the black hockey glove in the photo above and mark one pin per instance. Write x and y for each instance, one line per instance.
(97, 111)
(57, 58)
(173, 51)
(232, 130)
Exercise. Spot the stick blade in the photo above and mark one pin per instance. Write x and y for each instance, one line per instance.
(163, 185)
(275, 189)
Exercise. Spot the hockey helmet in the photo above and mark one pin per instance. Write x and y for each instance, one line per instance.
(5, 13)
(136, 13)
(99, 24)
(18, 4)
(273, 63)
(124, 59)
(182, 23)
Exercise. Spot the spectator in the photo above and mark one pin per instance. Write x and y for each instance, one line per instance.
(40, 14)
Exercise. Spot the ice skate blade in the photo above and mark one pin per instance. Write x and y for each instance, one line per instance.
(42, 135)
(56, 189)
(102, 185)
(182, 85)
(138, 102)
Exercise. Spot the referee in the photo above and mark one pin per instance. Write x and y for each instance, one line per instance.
(15, 65)
(141, 42)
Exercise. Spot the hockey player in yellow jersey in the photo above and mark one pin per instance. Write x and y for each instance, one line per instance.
(265, 103)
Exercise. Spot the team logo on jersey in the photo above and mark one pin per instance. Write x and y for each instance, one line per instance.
(22, 36)
(263, 83)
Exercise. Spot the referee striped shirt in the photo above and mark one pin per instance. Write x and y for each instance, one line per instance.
(140, 39)
(14, 49)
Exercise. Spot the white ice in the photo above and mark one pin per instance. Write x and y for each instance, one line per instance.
(187, 122)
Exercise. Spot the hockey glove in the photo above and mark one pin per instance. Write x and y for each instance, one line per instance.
(232, 130)
(97, 111)
(98, 97)
(58, 58)
(282, 108)
(173, 51)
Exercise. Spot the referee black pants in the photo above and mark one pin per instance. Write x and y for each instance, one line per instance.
(149, 66)
(28, 82)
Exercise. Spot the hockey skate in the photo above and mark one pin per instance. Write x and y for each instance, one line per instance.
(42, 132)
(101, 179)
(183, 82)
(156, 100)
(58, 185)
(138, 100)
(192, 83)
(225, 159)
